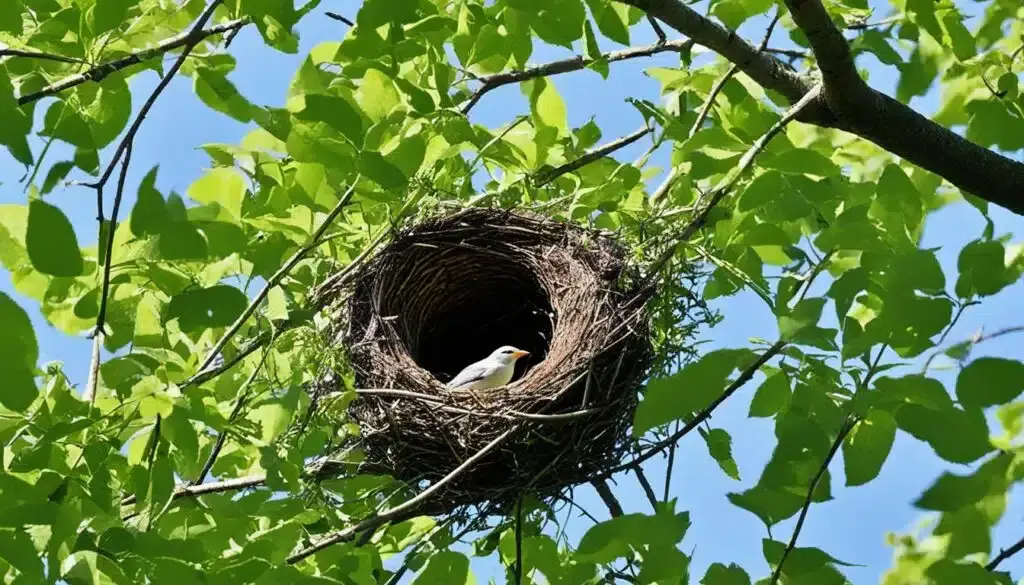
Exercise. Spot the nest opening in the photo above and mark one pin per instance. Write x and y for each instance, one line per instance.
(445, 293)
(481, 303)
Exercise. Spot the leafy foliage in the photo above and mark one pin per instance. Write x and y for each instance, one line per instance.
(202, 302)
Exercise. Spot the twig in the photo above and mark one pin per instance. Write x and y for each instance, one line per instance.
(92, 383)
(883, 22)
(509, 414)
(1005, 554)
(480, 154)
(705, 110)
(339, 18)
(31, 54)
(668, 468)
(243, 394)
(407, 507)
(576, 63)
(646, 485)
(614, 507)
(726, 184)
(845, 430)
(792, 53)
(974, 340)
(187, 39)
(590, 156)
(703, 415)
(658, 31)
(279, 275)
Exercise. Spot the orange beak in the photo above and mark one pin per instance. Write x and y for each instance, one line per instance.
(520, 354)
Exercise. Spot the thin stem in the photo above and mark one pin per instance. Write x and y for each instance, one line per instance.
(646, 485)
(279, 275)
(338, 17)
(1005, 554)
(845, 430)
(32, 54)
(590, 156)
(187, 39)
(492, 82)
(402, 510)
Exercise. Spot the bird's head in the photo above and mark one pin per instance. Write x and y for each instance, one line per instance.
(508, 354)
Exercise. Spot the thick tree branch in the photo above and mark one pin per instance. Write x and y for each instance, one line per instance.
(186, 39)
(845, 430)
(849, 104)
(576, 63)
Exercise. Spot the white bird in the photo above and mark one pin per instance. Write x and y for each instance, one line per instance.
(491, 372)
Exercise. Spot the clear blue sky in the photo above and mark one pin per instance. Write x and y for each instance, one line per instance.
(851, 527)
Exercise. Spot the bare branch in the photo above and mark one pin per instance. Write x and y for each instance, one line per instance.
(187, 39)
(884, 22)
(406, 509)
(658, 31)
(848, 103)
(576, 63)
(590, 156)
(101, 315)
(974, 340)
(1005, 554)
(279, 275)
(646, 485)
(609, 499)
(339, 18)
(845, 430)
(792, 53)
(31, 54)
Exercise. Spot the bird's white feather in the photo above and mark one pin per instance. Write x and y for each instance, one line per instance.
(491, 372)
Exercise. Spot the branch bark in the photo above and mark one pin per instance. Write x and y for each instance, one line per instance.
(849, 104)
(186, 39)
(590, 156)
(576, 63)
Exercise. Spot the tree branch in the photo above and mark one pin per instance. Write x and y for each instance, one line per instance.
(576, 63)
(609, 499)
(404, 510)
(30, 54)
(590, 156)
(339, 18)
(1005, 554)
(187, 39)
(848, 103)
(646, 485)
(279, 275)
(845, 430)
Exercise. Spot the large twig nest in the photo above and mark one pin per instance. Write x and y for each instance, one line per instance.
(447, 292)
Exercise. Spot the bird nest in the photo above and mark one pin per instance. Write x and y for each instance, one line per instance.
(447, 292)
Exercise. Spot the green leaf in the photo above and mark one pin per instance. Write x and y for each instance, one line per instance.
(216, 91)
(51, 242)
(719, 444)
(559, 22)
(982, 269)
(20, 351)
(615, 538)
(10, 17)
(377, 95)
(771, 396)
(17, 549)
(733, 13)
(220, 186)
(989, 381)
(719, 574)
(611, 20)
(149, 215)
(993, 124)
(337, 113)
(379, 170)
(867, 447)
(805, 314)
(546, 105)
(447, 567)
(663, 563)
(205, 308)
(107, 15)
(17, 123)
(685, 392)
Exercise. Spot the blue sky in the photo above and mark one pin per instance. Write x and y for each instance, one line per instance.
(851, 527)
